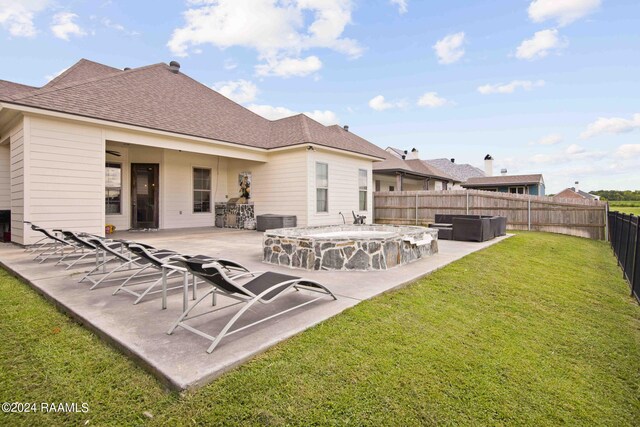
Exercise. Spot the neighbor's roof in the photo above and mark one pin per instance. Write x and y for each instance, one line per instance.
(397, 152)
(154, 97)
(393, 164)
(8, 89)
(461, 172)
(571, 193)
(489, 181)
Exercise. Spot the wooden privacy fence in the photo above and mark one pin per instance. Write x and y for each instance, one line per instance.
(576, 217)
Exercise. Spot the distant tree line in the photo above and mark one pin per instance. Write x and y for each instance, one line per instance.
(618, 195)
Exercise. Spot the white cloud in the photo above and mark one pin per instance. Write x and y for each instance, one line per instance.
(551, 139)
(241, 91)
(279, 31)
(627, 151)
(402, 5)
(62, 26)
(325, 117)
(17, 16)
(540, 44)
(50, 77)
(449, 49)
(432, 100)
(287, 67)
(270, 112)
(378, 103)
(575, 149)
(509, 87)
(118, 27)
(563, 12)
(611, 125)
(230, 64)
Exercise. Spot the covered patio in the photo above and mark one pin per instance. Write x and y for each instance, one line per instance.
(180, 360)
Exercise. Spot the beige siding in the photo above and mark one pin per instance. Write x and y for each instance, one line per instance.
(17, 141)
(65, 183)
(177, 171)
(343, 187)
(5, 176)
(278, 186)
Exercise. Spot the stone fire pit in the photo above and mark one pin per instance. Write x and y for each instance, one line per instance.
(348, 247)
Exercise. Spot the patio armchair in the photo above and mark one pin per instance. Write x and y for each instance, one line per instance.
(261, 287)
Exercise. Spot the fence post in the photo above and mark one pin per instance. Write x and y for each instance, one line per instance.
(634, 266)
(606, 222)
(467, 202)
(529, 214)
(416, 208)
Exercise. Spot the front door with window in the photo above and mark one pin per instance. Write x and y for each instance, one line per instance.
(144, 195)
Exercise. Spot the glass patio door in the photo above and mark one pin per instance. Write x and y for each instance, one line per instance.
(144, 195)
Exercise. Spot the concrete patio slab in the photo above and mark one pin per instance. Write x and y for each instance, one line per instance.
(180, 360)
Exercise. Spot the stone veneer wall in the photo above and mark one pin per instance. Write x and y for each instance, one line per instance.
(297, 248)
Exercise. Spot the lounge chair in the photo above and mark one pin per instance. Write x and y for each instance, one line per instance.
(127, 261)
(160, 260)
(262, 287)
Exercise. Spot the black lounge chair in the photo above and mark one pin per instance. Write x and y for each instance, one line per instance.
(128, 262)
(85, 243)
(160, 260)
(53, 245)
(262, 287)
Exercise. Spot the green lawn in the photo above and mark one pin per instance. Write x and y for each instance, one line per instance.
(537, 330)
(625, 207)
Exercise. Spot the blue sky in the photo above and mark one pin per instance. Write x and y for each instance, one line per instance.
(546, 86)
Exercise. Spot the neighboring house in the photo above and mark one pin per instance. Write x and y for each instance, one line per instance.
(517, 184)
(402, 171)
(574, 193)
(460, 172)
(150, 147)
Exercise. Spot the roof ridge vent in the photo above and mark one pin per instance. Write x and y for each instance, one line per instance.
(174, 67)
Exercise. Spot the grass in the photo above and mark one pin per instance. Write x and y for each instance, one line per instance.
(537, 330)
(628, 207)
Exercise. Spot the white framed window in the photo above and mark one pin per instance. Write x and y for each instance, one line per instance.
(516, 190)
(201, 190)
(322, 187)
(113, 189)
(363, 185)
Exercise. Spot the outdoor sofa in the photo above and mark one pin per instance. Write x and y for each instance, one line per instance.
(474, 228)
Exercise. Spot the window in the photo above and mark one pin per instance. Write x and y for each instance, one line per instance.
(113, 189)
(322, 187)
(201, 190)
(392, 188)
(363, 184)
(516, 190)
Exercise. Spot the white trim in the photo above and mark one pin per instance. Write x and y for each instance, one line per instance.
(211, 202)
(321, 188)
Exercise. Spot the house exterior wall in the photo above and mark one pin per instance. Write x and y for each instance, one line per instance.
(343, 193)
(16, 175)
(5, 176)
(278, 186)
(64, 179)
(56, 177)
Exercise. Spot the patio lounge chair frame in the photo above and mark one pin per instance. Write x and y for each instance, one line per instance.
(268, 287)
(128, 262)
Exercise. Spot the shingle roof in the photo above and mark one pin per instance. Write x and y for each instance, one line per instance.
(503, 180)
(397, 152)
(415, 166)
(8, 89)
(81, 70)
(157, 98)
(572, 193)
(461, 172)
